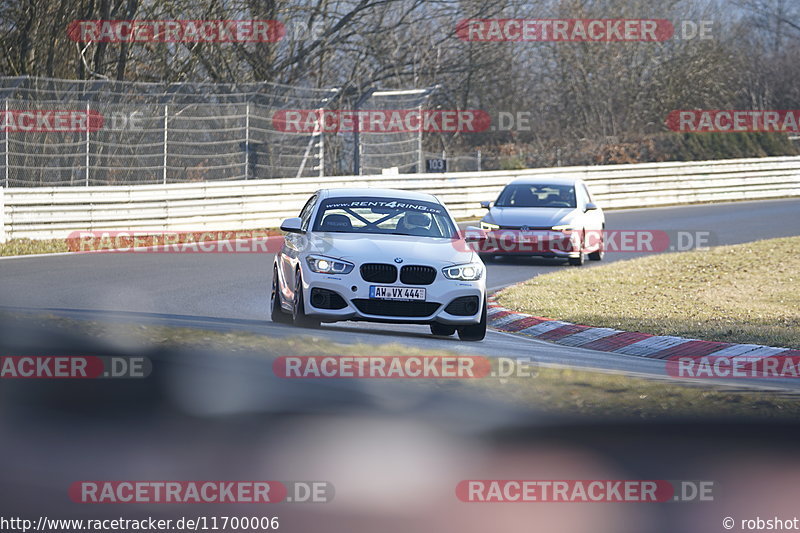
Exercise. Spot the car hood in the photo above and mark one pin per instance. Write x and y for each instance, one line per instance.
(535, 217)
(361, 248)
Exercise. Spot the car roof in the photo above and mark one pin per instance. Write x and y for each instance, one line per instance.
(393, 194)
(545, 180)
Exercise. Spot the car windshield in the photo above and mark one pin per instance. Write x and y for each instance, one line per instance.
(537, 195)
(384, 216)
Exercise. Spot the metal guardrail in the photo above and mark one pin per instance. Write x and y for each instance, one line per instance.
(55, 212)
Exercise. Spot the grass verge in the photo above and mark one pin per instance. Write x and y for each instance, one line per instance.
(745, 293)
(32, 246)
(124, 242)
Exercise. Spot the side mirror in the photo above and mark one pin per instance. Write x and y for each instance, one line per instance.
(473, 234)
(292, 225)
(486, 205)
(591, 206)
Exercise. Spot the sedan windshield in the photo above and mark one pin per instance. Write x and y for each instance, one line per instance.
(384, 215)
(542, 195)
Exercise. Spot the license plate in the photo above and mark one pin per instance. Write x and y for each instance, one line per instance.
(380, 292)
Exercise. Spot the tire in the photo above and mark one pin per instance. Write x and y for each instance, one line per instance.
(475, 332)
(442, 329)
(599, 254)
(275, 311)
(299, 317)
(577, 261)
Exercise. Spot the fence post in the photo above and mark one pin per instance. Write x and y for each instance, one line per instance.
(316, 133)
(321, 144)
(356, 147)
(87, 142)
(357, 131)
(420, 155)
(247, 141)
(166, 114)
(7, 147)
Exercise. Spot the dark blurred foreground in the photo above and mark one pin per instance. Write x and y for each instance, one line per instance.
(393, 451)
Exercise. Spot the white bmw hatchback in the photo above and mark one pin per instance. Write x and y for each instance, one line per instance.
(380, 256)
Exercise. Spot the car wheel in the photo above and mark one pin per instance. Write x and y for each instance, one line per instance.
(475, 332)
(577, 261)
(599, 254)
(276, 312)
(299, 317)
(442, 329)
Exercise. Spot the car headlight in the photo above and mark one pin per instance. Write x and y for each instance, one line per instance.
(328, 265)
(563, 227)
(465, 272)
(489, 227)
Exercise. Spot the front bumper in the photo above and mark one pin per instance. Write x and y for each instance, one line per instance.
(355, 292)
(538, 243)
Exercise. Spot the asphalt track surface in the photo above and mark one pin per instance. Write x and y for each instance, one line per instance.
(229, 292)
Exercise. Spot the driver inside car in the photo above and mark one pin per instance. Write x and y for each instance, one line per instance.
(416, 224)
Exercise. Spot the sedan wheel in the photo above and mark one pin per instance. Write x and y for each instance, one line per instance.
(600, 253)
(475, 332)
(577, 261)
(299, 317)
(276, 312)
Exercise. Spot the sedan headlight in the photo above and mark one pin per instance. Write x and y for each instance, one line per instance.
(563, 228)
(328, 265)
(489, 227)
(465, 272)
